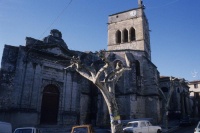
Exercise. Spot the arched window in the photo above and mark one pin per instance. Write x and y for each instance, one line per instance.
(132, 34)
(137, 68)
(118, 36)
(125, 35)
(138, 76)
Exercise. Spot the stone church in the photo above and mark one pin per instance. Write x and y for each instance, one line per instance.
(36, 90)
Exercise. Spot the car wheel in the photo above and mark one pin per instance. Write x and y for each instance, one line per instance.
(159, 131)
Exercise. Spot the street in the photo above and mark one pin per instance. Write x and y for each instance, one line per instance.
(187, 129)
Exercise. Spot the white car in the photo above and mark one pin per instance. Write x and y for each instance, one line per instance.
(27, 130)
(141, 126)
(197, 129)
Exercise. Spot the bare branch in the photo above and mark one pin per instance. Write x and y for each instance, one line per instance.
(162, 94)
(119, 74)
(115, 74)
(85, 71)
(101, 71)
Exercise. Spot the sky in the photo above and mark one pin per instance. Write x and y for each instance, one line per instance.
(174, 25)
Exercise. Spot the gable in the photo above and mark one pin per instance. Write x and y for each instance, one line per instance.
(54, 48)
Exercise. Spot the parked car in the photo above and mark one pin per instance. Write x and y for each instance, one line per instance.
(27, 130)
(141, 126)
(197, 129)
(82, 129)
(89, 129)
(5, 127)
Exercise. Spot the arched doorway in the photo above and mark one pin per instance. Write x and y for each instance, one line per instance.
(50, 104)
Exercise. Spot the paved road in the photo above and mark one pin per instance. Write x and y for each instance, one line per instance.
(188, 129)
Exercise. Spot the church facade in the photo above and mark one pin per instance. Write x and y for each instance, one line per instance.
(35, 89)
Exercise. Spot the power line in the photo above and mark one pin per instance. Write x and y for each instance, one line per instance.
(59, 15)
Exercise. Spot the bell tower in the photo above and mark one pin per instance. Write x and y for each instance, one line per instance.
(129, 30)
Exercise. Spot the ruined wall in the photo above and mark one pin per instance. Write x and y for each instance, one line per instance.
(179, 102)
(23, 80)
(8, 69)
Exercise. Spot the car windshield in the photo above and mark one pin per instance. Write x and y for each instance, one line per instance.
(23, 131)
(149, 124)
(80, 130)
(132, 124)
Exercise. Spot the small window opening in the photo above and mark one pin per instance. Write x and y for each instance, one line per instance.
(125, 35)
(132, 34)
(118, 36)
(195, 85)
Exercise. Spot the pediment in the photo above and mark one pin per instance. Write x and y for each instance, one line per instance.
(54, 48)
(50, 48)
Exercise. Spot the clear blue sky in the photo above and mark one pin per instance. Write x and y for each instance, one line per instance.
(174, 25)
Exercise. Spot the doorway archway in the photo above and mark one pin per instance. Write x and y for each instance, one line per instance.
(50, 104)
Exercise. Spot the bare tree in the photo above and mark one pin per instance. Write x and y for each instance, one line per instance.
(105, 79)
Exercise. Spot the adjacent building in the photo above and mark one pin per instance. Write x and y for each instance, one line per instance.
(195, 96)
(176, 92)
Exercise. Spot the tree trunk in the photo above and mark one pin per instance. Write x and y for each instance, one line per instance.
(115, 121)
